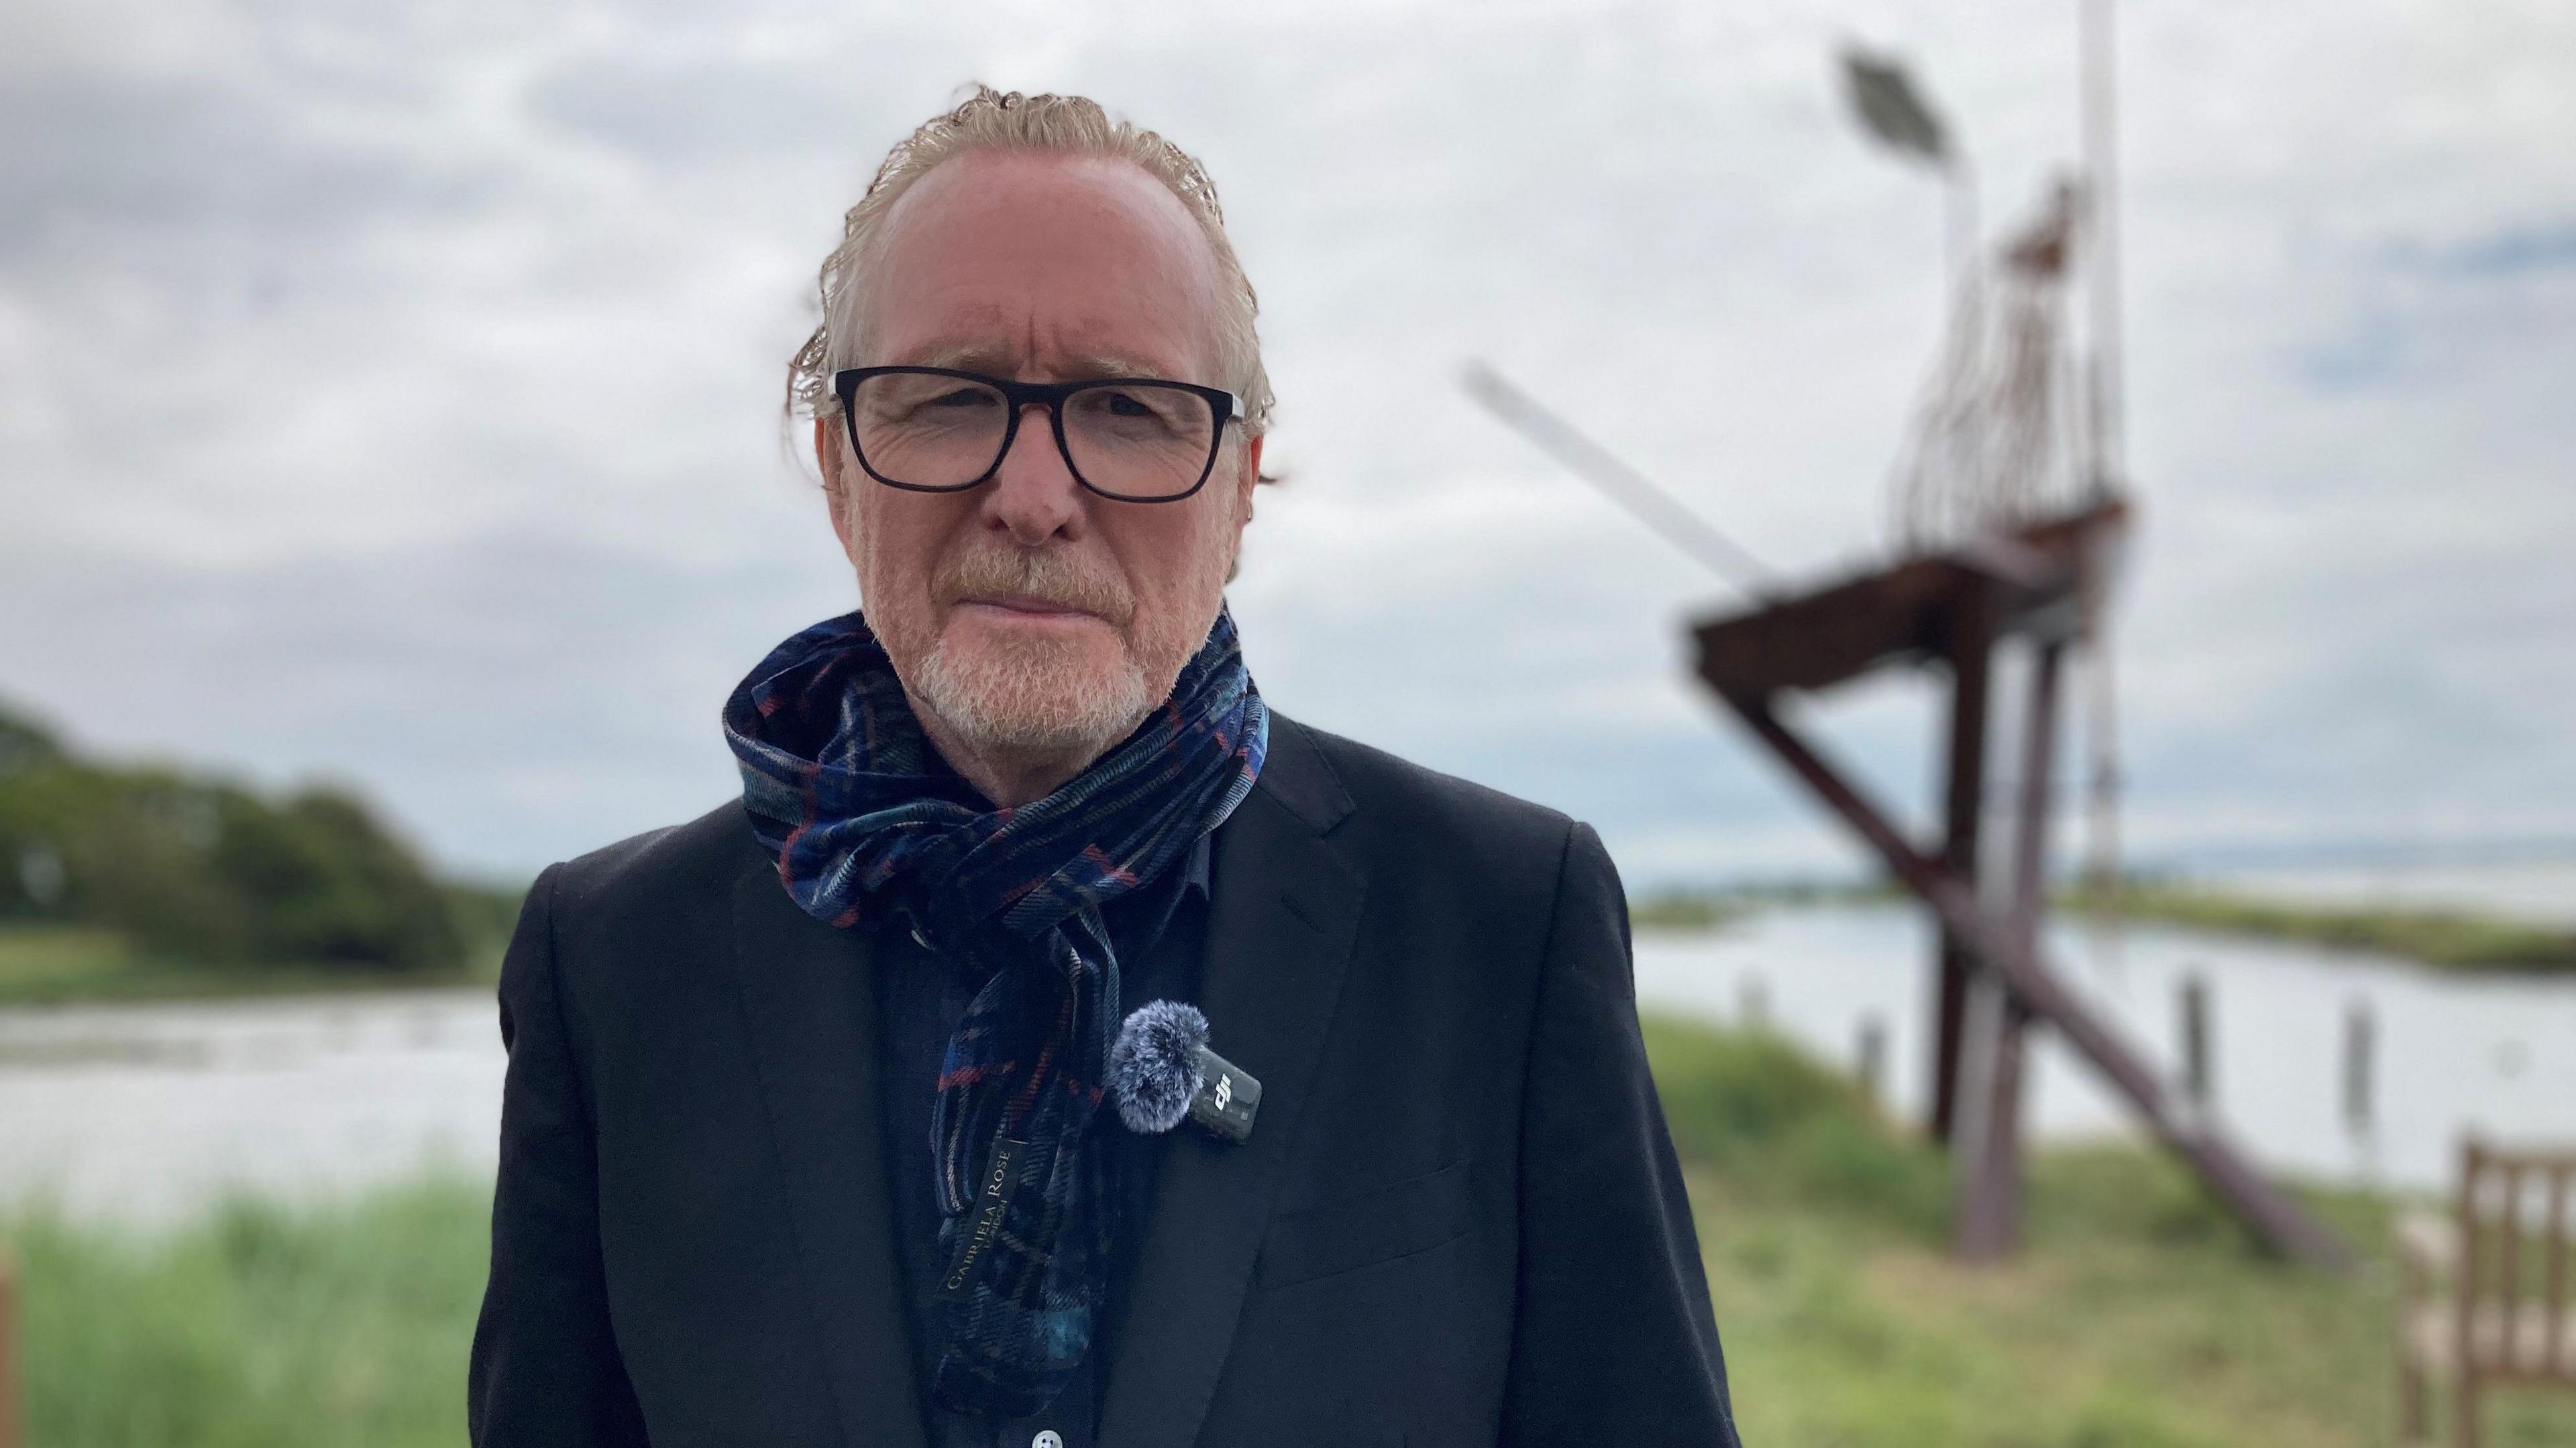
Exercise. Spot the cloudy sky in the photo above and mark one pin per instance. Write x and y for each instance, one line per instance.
(389, 392)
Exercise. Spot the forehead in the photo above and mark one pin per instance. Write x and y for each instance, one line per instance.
(1044, 265)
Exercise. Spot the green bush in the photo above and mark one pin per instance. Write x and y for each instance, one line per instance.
(203, 870)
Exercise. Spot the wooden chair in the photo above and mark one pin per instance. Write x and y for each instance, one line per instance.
(2483, 1298)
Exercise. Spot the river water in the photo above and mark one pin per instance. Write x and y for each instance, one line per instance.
(144, 1112)
(2449, 1053)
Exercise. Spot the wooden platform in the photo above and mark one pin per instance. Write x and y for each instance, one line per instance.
(1909, 612)
(2045, 584)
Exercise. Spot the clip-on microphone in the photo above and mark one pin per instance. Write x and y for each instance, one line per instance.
(1161, 1070)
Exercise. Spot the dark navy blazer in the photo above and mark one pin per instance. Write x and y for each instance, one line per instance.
(1458, 1220)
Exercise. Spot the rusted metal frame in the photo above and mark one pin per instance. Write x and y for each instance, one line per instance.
(1990, 1201)
(2279, 1221)
(1971, 651)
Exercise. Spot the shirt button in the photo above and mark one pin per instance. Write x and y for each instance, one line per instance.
(1047, 1438)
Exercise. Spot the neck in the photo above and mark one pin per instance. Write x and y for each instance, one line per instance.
(1008, 777)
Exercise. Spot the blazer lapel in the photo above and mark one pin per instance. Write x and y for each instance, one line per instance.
(812, 1010)
(1285, 911)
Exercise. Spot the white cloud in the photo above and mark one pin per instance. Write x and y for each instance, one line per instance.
(392, 391)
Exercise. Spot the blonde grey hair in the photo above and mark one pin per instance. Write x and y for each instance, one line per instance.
(1007, 120)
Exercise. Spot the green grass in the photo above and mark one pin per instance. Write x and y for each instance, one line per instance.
(2138, 1316)
(2452, 939)
(53, 965)
(2138, 1313)
(257, 1327)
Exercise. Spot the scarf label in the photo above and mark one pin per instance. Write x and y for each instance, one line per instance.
(985, 1222)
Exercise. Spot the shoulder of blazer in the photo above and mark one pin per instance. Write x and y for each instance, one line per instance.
(1407, 816)
(653, 871)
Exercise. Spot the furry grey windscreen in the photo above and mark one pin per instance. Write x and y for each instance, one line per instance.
(1153, 1066)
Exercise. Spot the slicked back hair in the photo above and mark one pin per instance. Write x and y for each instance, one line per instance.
(1009, 121)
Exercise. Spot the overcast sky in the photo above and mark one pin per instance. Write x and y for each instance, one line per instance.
(389, 391)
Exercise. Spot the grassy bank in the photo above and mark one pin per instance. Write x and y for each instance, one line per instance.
(256, 1327)
(59, 964)
(2138, 1316)
(2454, 940)
(1683, 910)
(1708, 908)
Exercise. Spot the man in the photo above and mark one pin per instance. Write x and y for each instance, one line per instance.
(827, 1121)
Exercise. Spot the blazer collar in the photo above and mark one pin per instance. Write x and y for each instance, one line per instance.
(1285, 911)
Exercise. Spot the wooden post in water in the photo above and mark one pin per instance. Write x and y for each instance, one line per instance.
(2195, 1041)
(1873, 1057)
(2358, 1032)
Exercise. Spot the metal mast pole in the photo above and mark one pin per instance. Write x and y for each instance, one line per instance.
(2102, 168)
(2106, 434)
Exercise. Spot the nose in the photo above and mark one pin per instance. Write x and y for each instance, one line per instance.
(1034, 496)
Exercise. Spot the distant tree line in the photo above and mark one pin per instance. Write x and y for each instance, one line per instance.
(1706, 907)
(201, 869)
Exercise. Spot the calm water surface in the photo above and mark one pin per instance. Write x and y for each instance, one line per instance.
(2492, 1054)
(147, 1111)
(144, 1112)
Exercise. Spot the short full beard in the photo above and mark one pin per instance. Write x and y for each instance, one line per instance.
(1031, 699)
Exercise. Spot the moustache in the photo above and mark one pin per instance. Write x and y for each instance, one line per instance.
(1050, 574)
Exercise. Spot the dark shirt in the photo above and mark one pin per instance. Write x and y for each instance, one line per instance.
(1160, 935)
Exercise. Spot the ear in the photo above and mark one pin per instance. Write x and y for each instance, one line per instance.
(836, 496)
(1250, 479)
(1243, 485)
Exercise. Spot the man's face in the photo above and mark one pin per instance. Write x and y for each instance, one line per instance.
(1028, 613)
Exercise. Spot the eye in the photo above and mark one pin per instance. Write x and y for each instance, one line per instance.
(1125, 404)
(961, 398)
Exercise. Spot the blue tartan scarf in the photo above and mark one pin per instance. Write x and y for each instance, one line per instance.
(846, 792)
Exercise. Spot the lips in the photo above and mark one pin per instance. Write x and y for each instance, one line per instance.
(1029, 604)
(1032, 611)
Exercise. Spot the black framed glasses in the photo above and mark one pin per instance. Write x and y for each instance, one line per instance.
(939, 430)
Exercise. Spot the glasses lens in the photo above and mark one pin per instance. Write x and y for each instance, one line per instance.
(926, 431)
(1139, 440)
